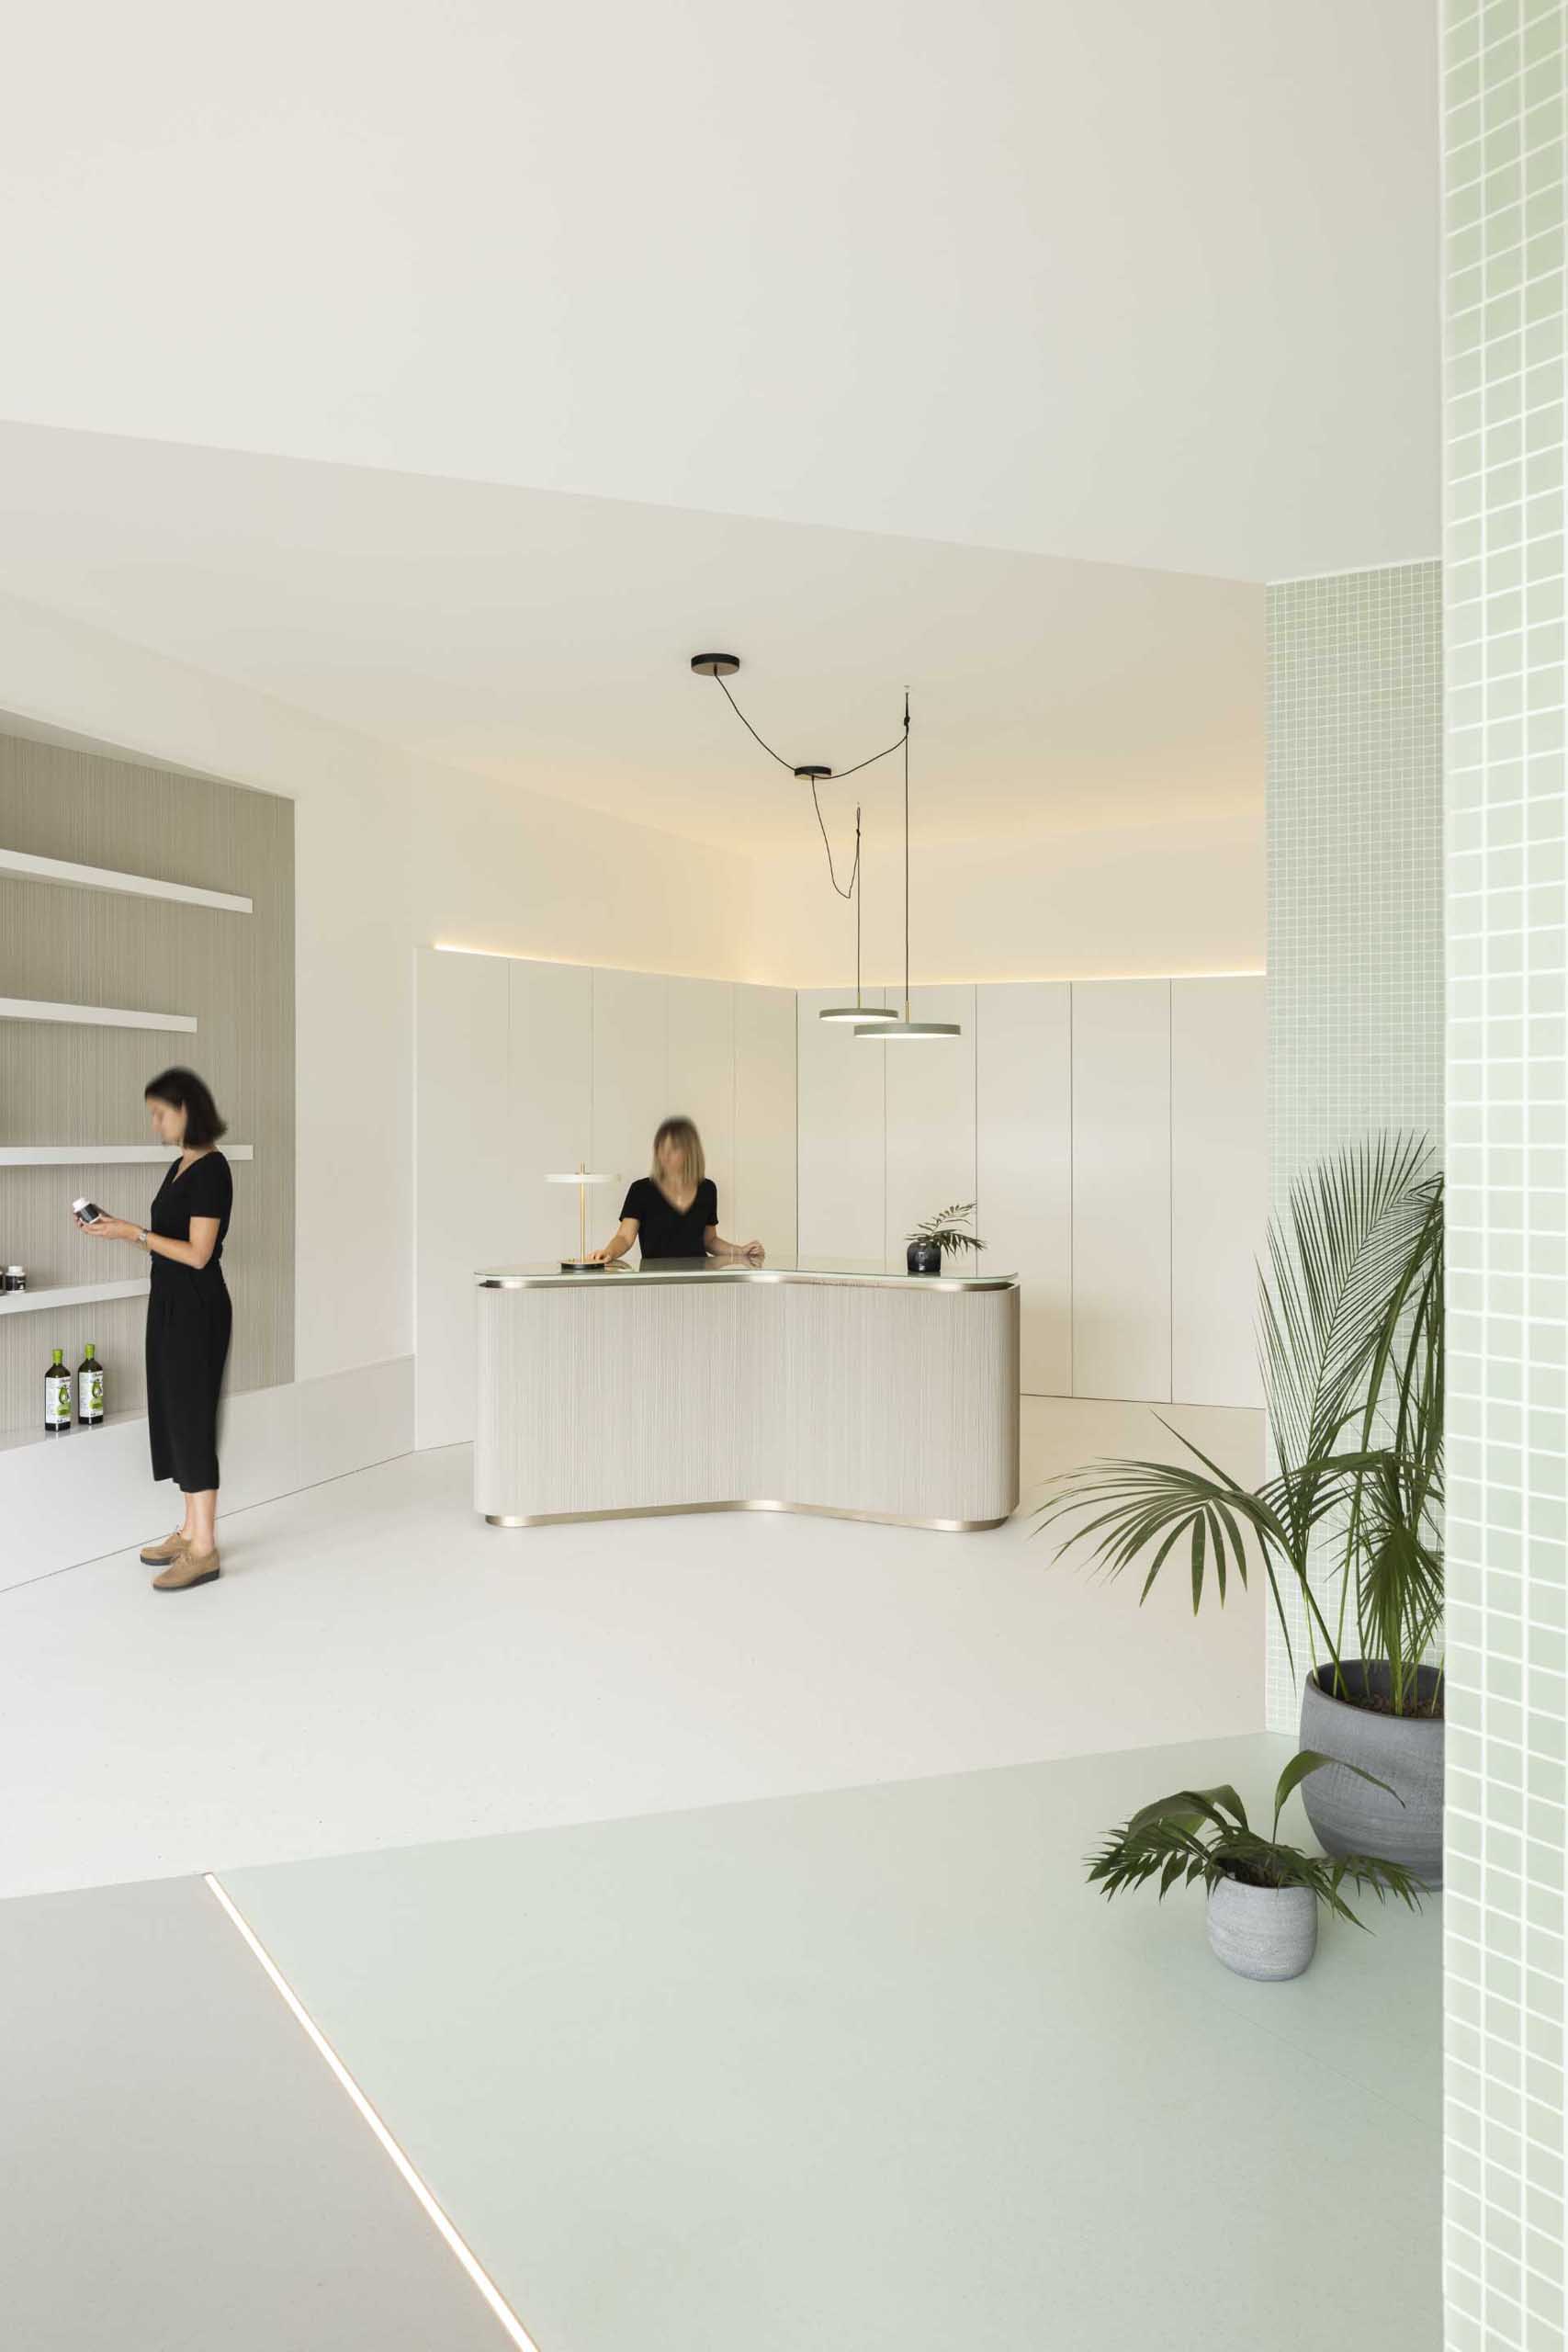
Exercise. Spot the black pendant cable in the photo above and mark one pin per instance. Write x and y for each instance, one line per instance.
(720, 666)
(890, 1030)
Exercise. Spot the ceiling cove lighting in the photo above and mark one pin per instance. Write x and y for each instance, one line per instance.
(868, 1019)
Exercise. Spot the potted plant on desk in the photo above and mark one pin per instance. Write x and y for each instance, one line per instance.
(1349, 1526)
(946, 1230)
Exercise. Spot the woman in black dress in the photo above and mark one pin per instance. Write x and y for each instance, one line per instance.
(673, 1212)
(188, 1318)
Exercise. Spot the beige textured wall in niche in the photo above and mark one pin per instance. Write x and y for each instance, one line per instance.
(70, 1084)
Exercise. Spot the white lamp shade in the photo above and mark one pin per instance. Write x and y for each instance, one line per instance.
(581, 1176)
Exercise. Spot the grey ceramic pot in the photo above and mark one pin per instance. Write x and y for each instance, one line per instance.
(1265, 1932)
(1349, 1815)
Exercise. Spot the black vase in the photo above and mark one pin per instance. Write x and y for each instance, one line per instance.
(923, 1258)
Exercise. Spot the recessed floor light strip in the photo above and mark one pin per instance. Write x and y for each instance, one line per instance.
(464, 2254)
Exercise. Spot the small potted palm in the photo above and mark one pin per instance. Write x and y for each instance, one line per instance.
(946, 1230)
(1347, 1526)
(1264, 1897)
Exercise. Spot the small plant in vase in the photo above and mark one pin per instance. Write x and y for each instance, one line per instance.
(1263, 1896)
(946, 1230)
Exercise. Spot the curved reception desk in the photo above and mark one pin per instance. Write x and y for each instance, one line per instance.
(719, 1386)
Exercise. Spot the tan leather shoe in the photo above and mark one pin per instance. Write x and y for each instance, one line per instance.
(160, 1555)
(190, 1570)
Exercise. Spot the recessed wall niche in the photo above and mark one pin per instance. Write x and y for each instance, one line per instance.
(122, 891)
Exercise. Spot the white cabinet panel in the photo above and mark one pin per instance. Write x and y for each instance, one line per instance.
(1219, 1187)
(549, 1089)
(842, 1157)
(463, 1178)
(1023, 1097)
(631, 1082)
(930, 1115)
(764, 1203)
(701, 1084)
(1121, 1189)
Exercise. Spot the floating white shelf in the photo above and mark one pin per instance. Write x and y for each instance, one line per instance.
(92, 1016)
(27, 1302)
(100, 1155)
(25, 866)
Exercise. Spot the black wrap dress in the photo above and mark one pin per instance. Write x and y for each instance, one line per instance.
(188, 1322)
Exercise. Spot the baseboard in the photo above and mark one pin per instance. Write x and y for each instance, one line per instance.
(71, 1498)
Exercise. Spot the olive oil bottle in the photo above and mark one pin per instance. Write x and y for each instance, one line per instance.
(90, 1390)
(56, 1394)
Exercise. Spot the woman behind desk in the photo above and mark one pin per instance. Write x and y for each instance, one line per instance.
(673, 1212)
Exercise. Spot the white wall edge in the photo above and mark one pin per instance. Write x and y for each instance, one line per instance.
(23, 866)
(101, 1154)
(32, 1302)
(272, 1441)
(93, 1016)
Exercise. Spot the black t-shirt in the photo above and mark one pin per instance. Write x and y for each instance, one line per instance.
(665, 1231)
(207, 1189)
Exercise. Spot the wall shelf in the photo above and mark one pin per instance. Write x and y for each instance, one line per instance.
(101, 1154)
(93, 1016)
(21, 865)
(29, 1302)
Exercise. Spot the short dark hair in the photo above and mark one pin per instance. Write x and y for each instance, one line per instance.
(185, 1092)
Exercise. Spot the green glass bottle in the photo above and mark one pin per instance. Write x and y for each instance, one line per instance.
(90, 1390)
(56, 1394)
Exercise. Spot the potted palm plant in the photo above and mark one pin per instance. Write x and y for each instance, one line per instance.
(1264, 1897)
(1348, 1523)
(947, 1231)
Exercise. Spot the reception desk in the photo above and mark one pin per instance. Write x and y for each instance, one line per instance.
(720, 1386)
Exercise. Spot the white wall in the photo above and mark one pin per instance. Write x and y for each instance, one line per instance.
(528, 1069)
(1121, 1300)
(1184, 898)
(393, 854)
(1112, 1135)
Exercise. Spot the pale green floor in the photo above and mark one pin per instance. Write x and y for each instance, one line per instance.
(873, 2070)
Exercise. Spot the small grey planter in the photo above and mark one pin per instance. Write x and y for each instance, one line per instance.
(1349, 1815)
(1264, 1932)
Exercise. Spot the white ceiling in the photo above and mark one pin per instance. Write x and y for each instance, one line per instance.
(1129, 280)
(545, 640)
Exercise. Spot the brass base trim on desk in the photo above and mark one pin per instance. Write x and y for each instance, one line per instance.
(810, 1510)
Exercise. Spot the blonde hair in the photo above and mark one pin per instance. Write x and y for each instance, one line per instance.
(682, 1134)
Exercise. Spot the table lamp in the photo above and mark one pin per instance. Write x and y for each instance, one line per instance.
(583, 1263)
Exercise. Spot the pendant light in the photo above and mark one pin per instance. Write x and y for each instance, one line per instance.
(868, 1019)
(907, 1027)
(857, 1012)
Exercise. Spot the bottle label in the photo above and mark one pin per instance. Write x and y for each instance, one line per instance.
(57, 1400)
(90, 1395)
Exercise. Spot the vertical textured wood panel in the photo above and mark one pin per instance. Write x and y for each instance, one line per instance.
(1023, 1174)
(766, 1142)
(700, 1076)
(1219, 1187)
(631, 1070)
(842, 1208)
(234, 972)
(897, 1402)
(1121, 1189)
(462, 1176)
(550, 1060)
(931, 1118)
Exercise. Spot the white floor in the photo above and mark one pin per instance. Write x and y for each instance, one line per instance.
(876, 2070)
(182, 2171)
(377, 1668)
